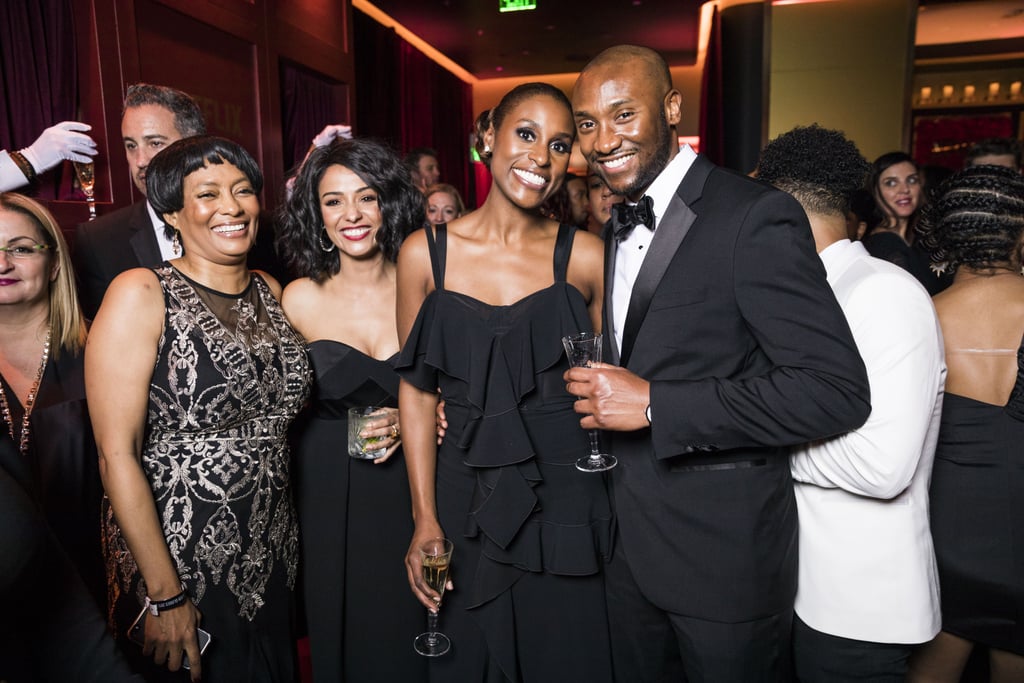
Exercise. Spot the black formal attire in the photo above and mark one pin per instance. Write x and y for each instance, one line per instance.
(64, 465)
(106, 247)
(50, 628)
(355, 523)
(732, 322)
(889, 246)
(531, 532)
(231, 375)
(977, 517)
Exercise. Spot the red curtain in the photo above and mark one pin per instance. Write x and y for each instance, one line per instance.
(407, 99)
(38, 75)
(308, 104)
(712, 127)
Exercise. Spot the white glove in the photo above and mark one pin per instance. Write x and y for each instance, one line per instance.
(58, 143)
(328, 134)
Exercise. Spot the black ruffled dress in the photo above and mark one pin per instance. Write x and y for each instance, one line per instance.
(531, 532)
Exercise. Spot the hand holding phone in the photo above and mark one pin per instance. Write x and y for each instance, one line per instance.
(137, 634)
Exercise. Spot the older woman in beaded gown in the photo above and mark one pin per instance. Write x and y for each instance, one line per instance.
(193, 377)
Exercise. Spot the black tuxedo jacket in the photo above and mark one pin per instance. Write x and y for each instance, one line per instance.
(124, 239)
(108, 246)
(733, 322)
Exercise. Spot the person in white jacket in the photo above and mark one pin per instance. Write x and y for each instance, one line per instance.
(868, 588)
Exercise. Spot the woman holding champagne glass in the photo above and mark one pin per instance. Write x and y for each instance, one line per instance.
(483, 303)
(351, 206)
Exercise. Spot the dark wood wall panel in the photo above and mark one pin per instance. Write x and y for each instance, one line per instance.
(226, 53)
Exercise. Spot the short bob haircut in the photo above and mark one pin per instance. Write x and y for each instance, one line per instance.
(977, 219)
(165, 177)
(67, 324)
(300, 224)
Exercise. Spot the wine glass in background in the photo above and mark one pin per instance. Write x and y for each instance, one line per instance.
(582, 349)
(436, 555)
(86, 173)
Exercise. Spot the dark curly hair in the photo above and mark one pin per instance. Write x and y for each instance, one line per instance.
(495, 117)
(165, 176)
(300, 223)
(820, 167)
(977, 219)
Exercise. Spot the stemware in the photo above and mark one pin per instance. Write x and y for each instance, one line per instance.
(86, 173)
(582, 349)
(436, 556)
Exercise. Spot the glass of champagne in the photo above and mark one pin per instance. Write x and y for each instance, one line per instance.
(436, 555)
(86, 173)
(582, 349)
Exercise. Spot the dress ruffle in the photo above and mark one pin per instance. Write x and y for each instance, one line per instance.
(508, 348)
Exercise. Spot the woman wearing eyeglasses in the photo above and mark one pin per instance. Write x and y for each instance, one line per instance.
(42, 391)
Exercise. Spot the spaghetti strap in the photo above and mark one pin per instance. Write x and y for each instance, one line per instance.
(563, 248)
(437, 246)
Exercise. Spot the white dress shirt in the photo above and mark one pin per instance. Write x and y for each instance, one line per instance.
(867, 566)
(166, 245)
(630, 252)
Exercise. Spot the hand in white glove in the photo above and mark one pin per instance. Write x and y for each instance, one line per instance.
(328, 134)
(58, 143)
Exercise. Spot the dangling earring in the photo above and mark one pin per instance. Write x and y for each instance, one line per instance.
(323, 246)
(176, 244)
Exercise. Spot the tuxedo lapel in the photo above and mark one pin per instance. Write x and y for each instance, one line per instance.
(669, 235)
(611, 348)
(143, 238)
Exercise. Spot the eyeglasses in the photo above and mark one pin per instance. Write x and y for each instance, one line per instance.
(24, 251)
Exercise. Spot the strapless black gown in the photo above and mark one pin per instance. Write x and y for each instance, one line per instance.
(355, 524)
(977, 516)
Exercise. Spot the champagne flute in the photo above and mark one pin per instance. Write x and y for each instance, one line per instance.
(436, 556)
(583, 349)
(86, 172)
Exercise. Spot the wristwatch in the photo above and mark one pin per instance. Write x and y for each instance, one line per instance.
(647, 413)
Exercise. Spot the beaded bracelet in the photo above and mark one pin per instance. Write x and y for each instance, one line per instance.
(19, 159)
(157, 606)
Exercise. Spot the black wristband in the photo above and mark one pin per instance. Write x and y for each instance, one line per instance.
(158, 606)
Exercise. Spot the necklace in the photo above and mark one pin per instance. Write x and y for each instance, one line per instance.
(30, 401)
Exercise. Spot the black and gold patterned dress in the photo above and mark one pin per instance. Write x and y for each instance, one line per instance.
(231, 374)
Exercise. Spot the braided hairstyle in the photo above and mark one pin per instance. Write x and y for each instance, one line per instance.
(977, 219)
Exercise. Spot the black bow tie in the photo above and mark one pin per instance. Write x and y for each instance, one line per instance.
(625, 217)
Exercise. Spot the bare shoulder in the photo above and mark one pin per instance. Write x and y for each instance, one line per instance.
(133, 304)
(134, 287)
(587, 254)
(415, 243)
(588, 245)
(414, 257)
(300, 303)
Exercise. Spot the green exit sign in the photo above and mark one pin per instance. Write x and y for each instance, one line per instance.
(516, 5)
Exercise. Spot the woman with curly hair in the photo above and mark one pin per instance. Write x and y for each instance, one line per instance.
(976, 226)
(339, 233)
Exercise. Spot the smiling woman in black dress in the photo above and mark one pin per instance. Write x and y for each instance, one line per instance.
(352, 205)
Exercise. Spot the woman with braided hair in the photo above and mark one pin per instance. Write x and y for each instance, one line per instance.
(976, 226)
